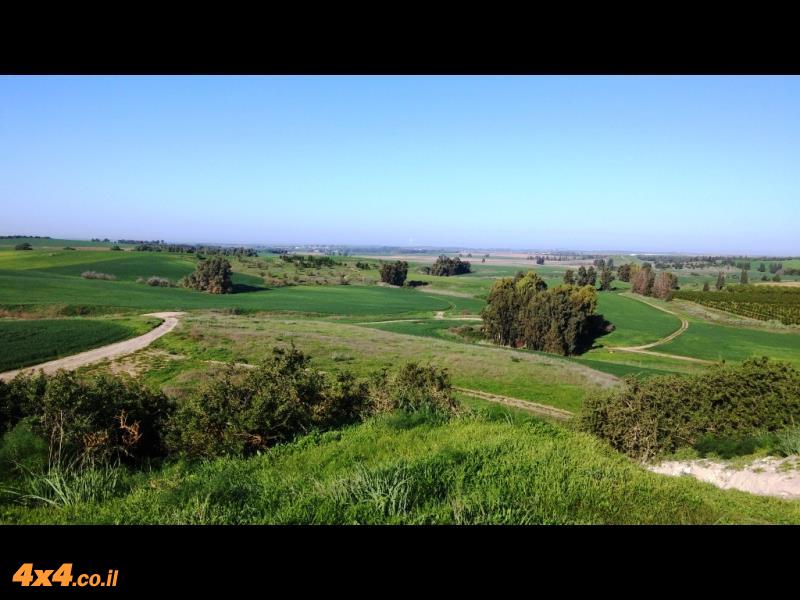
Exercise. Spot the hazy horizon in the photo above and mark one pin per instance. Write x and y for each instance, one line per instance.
(697, 165)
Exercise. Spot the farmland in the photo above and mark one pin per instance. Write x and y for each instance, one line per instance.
(764, 302)
(28, 342)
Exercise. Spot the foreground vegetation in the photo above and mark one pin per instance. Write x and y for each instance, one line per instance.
(403, 468)
(647, 419)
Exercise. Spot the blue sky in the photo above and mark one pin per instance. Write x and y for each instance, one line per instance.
(696, 164)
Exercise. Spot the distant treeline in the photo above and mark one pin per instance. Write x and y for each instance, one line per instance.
(666, 261)
(27, 237)
(192, 249)
(309, 261)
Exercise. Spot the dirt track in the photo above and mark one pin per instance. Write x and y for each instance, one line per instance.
(105, 352)
(532, 407)
(645, 349)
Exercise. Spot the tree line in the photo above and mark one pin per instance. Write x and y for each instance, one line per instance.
(194, 249)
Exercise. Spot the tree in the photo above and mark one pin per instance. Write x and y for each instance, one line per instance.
(569, 277)
(522, 312)
(744, 279)
(720, 281)
(394, 273)
(583, 278)
(706, 287)
(450, 266)
(591, 276)
(642, 283)
(606, 277)
(624, 272)
(762, 268)
(663, 285)
(212, 275)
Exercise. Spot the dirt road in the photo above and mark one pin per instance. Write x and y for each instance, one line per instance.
(532, 407)
(645, 349)
(105, 352)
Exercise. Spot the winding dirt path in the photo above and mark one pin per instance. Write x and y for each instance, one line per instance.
(115, 350)
(645, 348)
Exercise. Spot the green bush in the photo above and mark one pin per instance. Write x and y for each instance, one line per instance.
(95, 419)
(415, 388)
(647, 418)
(248, 410)
(21, 451)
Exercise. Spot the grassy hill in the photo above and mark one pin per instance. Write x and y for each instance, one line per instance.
(395, 469)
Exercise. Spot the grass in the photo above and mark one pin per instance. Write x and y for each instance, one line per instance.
(35, 278)
(30, 288)
(29, 342)
(525, 375)
(473, 470)
(436, 328)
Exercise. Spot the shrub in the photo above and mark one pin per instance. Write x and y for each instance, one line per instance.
(96, 275)
(656, 416)
(21, 451)
(23, 246)
(412, 283)
(95, 419)
(247, 410)
(159, 281)
(415, 388)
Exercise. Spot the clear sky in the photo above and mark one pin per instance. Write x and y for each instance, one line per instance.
(696, 164)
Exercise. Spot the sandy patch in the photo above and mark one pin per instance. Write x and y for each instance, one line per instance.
(765, 477)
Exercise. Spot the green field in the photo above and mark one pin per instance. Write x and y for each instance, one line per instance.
(635, 322)
(29, 342)
(30, 279)
(55, 243)
(718, 342)
(505, 469)
(27, 288)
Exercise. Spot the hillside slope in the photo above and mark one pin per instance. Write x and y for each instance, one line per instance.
(392, 470)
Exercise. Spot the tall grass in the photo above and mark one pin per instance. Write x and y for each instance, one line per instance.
(70, 484)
